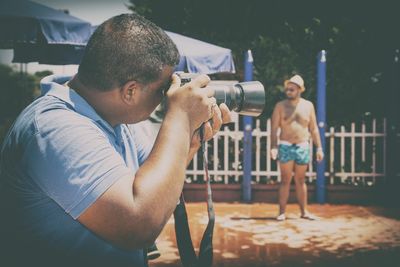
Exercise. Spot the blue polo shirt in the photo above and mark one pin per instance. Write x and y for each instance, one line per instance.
(59, 157)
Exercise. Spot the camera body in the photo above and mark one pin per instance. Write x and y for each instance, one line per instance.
(245, 98)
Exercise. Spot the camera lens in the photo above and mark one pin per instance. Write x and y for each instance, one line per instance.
(246, 98)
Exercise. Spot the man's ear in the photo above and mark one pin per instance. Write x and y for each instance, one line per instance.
(128, 91)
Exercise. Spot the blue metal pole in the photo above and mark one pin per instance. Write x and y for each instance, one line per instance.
(321, 120)
(247, 139)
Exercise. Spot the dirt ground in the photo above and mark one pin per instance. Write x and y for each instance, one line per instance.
(249, 235)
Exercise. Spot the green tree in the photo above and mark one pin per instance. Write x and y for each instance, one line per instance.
(17, 90)
(286, 36)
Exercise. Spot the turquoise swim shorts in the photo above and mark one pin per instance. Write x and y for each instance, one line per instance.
(299, 154)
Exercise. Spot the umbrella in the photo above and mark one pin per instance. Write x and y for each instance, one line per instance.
(39, 33)
(195, 56)
(201, 57)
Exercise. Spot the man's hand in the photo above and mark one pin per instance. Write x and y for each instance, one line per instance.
(221, 115)
(274, 153)
(200, 107)
(191, 102)
(320, 154)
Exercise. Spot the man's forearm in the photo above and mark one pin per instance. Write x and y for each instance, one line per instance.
(274, 138)
(159, 181)
(316, 138)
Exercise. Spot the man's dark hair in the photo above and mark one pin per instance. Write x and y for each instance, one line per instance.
(124, 48)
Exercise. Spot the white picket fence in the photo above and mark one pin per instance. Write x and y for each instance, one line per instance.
(354, 155)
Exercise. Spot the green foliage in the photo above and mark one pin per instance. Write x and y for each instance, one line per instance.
(286, 36)
(17, 90)
(274, 58)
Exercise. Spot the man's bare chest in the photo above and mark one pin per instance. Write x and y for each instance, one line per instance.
(300, 114)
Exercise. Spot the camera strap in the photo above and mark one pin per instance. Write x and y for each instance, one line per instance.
(182, 231)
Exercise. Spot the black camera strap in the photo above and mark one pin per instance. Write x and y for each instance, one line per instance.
(182, 231)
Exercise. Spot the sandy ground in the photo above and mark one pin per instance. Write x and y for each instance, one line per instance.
(249, 235)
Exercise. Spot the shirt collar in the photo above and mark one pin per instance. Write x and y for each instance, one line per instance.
(54, 85)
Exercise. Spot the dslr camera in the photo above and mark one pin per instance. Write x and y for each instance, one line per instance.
(245, 98)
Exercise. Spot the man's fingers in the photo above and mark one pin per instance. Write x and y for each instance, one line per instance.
(212, 104)
(200, 81)
(196, 139)
(208, 91)
(175, 83)
(225, 113)
(217, 119)
(208, 131)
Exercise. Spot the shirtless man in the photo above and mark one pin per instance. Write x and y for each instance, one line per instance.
(295, 116)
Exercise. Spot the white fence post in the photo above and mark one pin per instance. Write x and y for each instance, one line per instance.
(342, 154)
(331, 155)
(215, 158)
(384, 148)
(256, 134)
(268, 155)
(226, 156)
(237, 163)
(374, 149)
(353, 150)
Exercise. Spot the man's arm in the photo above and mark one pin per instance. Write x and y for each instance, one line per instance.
(315, 134)
(275, 123)
(133, 211)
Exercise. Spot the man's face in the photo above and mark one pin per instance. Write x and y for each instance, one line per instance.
(149, 96)
(292, 91)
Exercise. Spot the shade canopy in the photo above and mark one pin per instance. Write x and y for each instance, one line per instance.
(38, 33)
(201, 57)
(27, 22)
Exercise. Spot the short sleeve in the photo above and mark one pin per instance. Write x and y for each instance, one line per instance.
(72, 160)
(144, 134)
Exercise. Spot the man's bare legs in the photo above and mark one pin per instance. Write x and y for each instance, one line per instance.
(301, 191)
(284, 188)
(301, 187)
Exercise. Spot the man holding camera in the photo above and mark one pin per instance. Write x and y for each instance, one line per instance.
(296, 119)
(80, 184)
